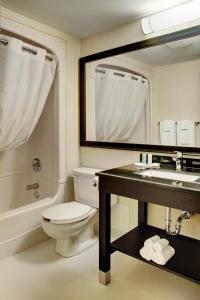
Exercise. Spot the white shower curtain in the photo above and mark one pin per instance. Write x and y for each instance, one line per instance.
(25, 82)
(119, 102)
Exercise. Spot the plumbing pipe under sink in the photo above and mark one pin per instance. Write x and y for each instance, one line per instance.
(184, 215)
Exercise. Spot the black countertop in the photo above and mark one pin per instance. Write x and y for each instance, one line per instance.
(130, 172)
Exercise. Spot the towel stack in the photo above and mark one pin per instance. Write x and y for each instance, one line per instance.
(180, 133)
(158, 250)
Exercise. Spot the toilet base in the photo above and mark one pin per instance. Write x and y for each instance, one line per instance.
(71, 246)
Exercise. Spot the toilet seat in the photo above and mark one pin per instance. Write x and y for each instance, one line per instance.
(66, 213)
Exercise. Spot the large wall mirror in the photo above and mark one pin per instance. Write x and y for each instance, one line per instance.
(143, 96)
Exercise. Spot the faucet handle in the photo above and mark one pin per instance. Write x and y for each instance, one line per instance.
(177, 155)
(177, 159)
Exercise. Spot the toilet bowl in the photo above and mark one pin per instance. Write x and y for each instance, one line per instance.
(71, 224)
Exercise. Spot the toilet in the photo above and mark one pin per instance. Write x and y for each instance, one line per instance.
(71, 224)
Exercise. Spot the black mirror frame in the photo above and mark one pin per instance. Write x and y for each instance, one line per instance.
(178, 35)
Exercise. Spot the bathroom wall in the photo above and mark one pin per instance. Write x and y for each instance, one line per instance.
(16, 170)
(176, 86)
(42, 145)
(109, 158)
(72, 129)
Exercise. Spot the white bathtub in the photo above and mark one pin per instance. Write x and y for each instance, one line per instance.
(20, 228)
(20, 212)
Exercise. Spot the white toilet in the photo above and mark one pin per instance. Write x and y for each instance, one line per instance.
(72, 223)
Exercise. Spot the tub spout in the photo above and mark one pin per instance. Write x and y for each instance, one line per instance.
(33, 186)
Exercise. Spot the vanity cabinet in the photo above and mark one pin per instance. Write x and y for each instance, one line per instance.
(180, 195)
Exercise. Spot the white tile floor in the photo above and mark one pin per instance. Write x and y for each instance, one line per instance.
(40, 274)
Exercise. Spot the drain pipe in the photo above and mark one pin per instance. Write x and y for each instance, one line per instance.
(184, 215)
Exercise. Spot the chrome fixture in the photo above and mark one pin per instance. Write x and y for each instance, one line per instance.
(33, 186)
(184, 216)
(36, 165)
(177, 159)
(101, 68)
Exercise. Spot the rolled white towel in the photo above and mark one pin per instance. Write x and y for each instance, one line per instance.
(162, 258)
(146, 252)
(160, 245)
(150, 242)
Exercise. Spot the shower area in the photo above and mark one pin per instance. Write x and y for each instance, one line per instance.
(32, 133)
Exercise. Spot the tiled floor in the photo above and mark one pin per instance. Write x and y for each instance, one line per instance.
(40, 274)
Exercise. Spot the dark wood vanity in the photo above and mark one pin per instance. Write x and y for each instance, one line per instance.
(182, 195)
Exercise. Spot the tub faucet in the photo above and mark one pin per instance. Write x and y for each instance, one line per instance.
(177, 158)
(33, 186)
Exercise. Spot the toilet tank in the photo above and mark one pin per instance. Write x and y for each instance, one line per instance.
(86, 186)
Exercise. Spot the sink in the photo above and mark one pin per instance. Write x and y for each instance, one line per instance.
(169, 175)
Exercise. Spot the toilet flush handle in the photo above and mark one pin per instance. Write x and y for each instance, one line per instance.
(94, 182)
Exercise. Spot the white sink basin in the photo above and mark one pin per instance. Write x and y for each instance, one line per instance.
(169, 175)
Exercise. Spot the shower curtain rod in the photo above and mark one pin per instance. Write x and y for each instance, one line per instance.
(122, 69)
(118, 74)
(32, 51)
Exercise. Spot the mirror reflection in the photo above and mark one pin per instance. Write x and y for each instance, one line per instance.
(149, 96)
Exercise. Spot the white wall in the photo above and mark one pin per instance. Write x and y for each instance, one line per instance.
(176, 93)
(16, 170)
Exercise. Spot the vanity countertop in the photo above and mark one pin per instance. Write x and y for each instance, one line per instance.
(130, 172)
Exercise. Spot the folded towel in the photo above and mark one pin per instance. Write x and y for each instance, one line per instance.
(162, 258)
(186, 133)
(147, 252)
(168, 132)
(151, 240)
(160, 245)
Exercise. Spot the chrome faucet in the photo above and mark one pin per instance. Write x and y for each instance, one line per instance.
(177, 159)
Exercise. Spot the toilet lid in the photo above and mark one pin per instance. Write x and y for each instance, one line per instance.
(67, 213)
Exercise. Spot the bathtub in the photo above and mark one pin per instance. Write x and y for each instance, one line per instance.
(20, 227)
(21, 210)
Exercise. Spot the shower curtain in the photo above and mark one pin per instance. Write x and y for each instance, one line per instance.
(120, 101)
(25, 82)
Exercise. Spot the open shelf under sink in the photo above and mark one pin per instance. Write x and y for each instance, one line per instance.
(185, 262)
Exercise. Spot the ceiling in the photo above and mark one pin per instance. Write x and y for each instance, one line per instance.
(87, 17)
(166, 54)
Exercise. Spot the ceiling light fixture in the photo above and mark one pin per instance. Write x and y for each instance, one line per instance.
(180, 14)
